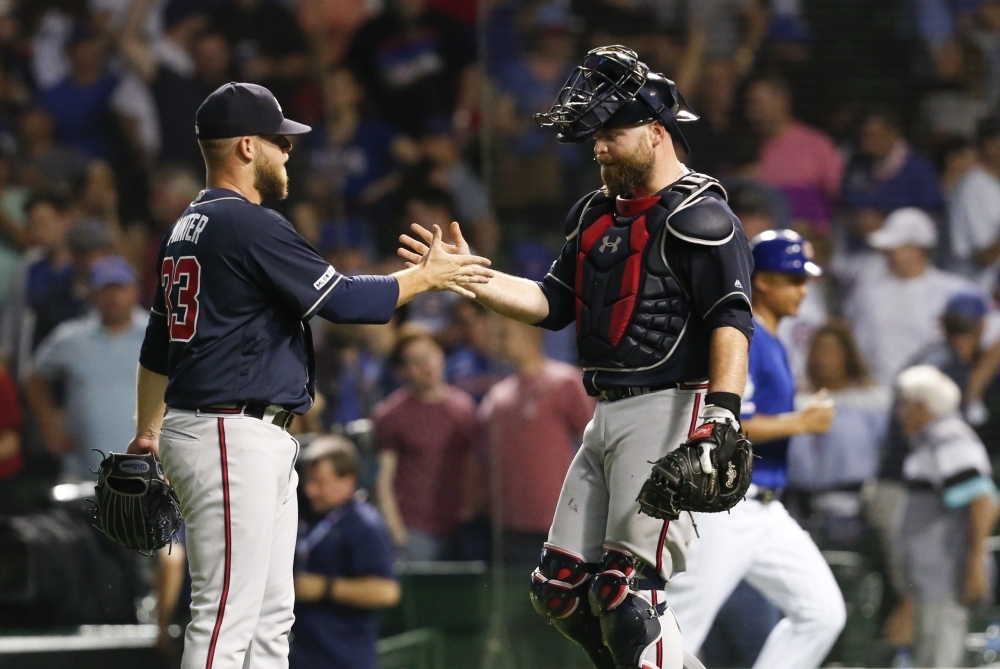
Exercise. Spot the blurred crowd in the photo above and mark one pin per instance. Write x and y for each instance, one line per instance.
(873, 129)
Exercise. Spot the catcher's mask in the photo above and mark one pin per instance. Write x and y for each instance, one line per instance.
(612, 88)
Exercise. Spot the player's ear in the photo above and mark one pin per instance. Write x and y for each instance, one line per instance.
(246, 148)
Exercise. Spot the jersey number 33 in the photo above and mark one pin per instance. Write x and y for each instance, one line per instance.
(181, 278)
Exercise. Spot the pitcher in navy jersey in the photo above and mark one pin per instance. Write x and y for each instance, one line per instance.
(227, 361)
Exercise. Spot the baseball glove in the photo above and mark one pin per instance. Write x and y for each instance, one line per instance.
(135, 506)
(679, 482)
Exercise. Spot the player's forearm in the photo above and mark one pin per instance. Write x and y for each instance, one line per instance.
(727, 361)
(150, 389)
(365, 592)
(412, 281)
(512, 297)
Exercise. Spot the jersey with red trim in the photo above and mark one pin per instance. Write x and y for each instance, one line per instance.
(646, 287)
(237, 286)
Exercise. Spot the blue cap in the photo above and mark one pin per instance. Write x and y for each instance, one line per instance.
(783, 251)
(239, 110)
(969, 306)
(112, 270)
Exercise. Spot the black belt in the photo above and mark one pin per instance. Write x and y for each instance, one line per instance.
(282, 418)
(615, 394)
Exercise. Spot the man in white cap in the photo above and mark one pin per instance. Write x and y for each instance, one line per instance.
(895, 311)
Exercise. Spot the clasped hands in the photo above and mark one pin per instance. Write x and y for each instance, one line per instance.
(449, 266)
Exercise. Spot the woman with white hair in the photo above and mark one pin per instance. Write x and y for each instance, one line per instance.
(950, 509)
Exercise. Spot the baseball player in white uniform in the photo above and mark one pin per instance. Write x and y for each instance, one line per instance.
(758, 540)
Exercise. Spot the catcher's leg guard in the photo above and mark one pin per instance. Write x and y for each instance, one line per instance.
(558, 588)
(623, 599)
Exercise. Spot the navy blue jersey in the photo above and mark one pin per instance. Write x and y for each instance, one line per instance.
(237, 287)
(770, 391)
(350, 542)
(670, 291)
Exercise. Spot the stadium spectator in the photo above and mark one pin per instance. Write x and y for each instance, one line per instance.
(831, 468)
(894, 311)
(268, 45)
(43, 164)
(800, 161)
(475, 364)
(949, 512)
(886, 173)
(414, 63)
(94, 357)
(975, 210)
(440, 148)
(424, 435)
(954, 104)
(536, 415)
(45, 276)
(180, 71)
(344, 567)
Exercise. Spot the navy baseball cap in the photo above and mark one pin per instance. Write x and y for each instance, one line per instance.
(238, 110)
(783, 251)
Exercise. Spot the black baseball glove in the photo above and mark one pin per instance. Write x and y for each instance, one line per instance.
(136, 507)
(679, 482)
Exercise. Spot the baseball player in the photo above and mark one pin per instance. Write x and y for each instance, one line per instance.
(758, 541)
(655, 272)
(227, 357)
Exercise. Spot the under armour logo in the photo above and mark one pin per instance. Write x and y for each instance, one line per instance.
(739, 285)
(613, 245)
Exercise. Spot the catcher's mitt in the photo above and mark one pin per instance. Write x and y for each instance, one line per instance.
(136, 507)
(680, 483)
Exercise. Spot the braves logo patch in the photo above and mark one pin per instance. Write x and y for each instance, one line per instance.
(731, 475)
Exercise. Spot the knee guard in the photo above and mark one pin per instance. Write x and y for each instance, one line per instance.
(558, 591)
(629, 623)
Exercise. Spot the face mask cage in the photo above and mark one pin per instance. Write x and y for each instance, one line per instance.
(607, 79)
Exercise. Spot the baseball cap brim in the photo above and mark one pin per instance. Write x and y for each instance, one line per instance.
(289, 127)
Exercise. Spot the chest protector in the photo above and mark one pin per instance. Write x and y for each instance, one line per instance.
(631, 307)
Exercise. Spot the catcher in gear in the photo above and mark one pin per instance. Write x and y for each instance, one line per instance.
(135, 505)
(655, 273)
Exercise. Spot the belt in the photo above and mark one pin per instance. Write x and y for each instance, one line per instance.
(920, 485)
(615, 394)
(269, 413)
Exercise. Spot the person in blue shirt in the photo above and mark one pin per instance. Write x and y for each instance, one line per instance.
(758, 541)
(343, 565)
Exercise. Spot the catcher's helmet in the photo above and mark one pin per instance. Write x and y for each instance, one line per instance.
(612, 88)
(783, 251)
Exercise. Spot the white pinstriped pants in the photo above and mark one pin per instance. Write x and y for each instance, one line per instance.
(764, 545)
(236, 481)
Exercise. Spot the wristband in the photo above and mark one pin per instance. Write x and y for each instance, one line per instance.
(728, 401)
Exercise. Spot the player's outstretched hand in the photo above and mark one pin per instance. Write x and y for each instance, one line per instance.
(415, 247)
(445, 268)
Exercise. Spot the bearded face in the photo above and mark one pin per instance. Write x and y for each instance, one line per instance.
(270, 178)
(627, 170)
